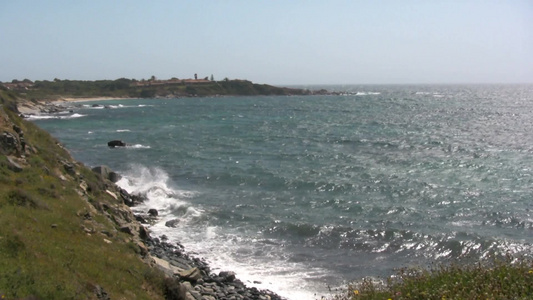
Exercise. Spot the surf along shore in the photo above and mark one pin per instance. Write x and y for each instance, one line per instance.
(81, 211)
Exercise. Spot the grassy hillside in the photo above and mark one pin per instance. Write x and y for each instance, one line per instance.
(60, 223)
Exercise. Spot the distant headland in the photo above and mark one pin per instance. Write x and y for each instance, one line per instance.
(58, 89)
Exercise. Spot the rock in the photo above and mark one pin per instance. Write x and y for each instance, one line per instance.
(172, 223)
(227, 275)
(116, 143)
(114, 177)
(189, 296)
(17, 129)
(101, 294)
(110, 193)
(131, 200)
(143, 233)
(196, 295)
(8, 142)
(126, 229)
(102, 171)
(191, 275)
(174, 290)
(126, 197)
(153, 212)
(13, 166)
(69, 168)
(167, 268)
(107, 173)
(141, 219)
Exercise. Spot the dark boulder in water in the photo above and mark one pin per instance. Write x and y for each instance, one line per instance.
(153, 212)
(116, 143)
(172, 223)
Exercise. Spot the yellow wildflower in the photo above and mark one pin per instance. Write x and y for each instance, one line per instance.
(356, 292)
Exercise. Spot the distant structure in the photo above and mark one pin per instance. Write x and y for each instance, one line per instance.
(195, 76)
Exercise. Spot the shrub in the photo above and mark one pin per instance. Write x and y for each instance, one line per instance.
(508, 279)
(21, 198)
(11, 245)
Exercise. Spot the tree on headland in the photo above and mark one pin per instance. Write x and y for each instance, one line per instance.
(212, 78)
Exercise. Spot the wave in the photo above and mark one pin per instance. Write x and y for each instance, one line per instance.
(406, 243)
(367, 93)
(73, 116)
(55, 116)
(114, 106)
(257, 260)
(137, 146)
(123, 130)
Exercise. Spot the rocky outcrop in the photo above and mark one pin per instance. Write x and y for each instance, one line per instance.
(188, 277)
(116, 143)
(107, 173)
(195, 278)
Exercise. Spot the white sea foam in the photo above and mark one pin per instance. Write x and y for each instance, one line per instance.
(54, 116)
(123, 130)
(73, 116)
(40, 117)
(367, 93)
(138, 146)
(256, 262)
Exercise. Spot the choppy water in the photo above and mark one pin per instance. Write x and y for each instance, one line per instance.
(298, 193)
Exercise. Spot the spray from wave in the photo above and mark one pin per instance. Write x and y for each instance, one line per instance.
(257, 260)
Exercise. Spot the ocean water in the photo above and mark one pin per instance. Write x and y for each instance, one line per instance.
(298, 194)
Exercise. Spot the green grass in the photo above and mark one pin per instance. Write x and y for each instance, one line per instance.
(502, 279)
(44, 249)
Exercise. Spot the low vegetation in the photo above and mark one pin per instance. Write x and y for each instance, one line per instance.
(131, 88)
(503, 279)
(56, 240)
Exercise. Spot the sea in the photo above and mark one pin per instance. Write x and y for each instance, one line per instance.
(302, 195)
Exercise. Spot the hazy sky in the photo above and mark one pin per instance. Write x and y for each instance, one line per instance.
(275, 41)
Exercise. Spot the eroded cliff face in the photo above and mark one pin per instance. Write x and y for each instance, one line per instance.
(65, 231)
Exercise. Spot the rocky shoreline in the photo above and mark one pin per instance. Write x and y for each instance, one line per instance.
(188, 277)
(192, 277)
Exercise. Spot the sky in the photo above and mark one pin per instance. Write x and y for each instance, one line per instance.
(273, 42)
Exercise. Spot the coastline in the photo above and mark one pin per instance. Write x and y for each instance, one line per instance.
(36, 108)
(192, 274)
(185, 276)
(87, 99)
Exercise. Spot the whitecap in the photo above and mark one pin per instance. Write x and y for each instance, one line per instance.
(138, 146)
(73, 116)
(223, 249)
(40, 117)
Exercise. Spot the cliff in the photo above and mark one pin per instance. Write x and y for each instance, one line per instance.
(67, 232)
